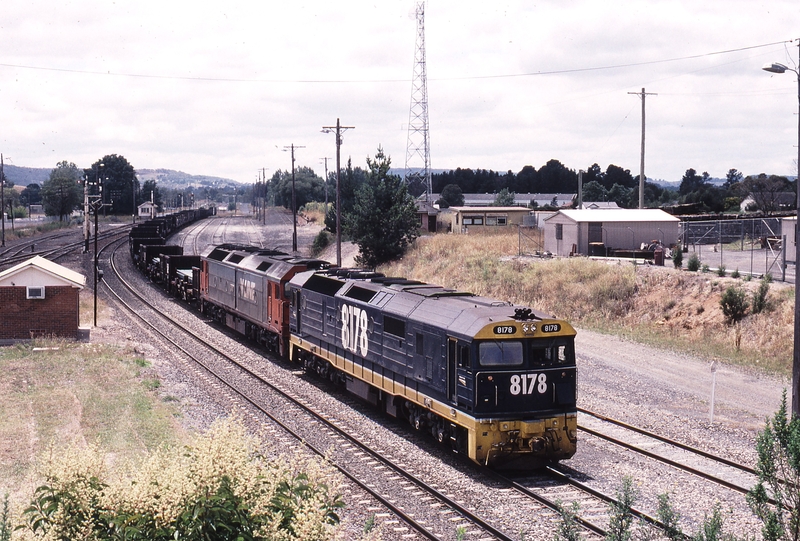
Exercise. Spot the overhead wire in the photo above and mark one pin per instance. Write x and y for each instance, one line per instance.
(350, 81)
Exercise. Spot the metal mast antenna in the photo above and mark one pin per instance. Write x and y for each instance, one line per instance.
(641, 162)
(418, 150)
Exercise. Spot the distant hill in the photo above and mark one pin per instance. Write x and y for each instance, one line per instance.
(22, 176)
(167, 178)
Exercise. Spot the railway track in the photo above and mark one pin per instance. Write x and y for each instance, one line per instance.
(724, 472)
(318, 432)
(54, 247)
(556, 485)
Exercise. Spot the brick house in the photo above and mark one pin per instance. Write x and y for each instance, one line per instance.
(39, 298)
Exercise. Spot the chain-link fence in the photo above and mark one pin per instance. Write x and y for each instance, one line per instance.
(754, 246)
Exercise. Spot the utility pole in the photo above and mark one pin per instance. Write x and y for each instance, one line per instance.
(328, 129)
(294, 202)
(3, 200)
(641, 162)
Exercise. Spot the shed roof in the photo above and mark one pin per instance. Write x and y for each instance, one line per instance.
(41, 271)
(617, 215)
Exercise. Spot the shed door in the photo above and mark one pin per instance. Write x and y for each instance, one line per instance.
(595, 232)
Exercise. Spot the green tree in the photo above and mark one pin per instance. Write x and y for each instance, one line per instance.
(691, 182)
(452, 195)
(150, 187)
(62, 192)
(383, 221)
(504, 198)
(766, 190)
(118, 180)
(593, 191)
(31, 195)
(307, 187)
(778, 469)
(732, 178)
(351, 178)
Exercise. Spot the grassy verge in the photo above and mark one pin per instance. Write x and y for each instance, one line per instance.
(56, 394)
(659, 306)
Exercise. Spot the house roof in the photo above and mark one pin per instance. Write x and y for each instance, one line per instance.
(600, 205)
(522, 199)
(491, 209)
(617, 215)
(39, 271)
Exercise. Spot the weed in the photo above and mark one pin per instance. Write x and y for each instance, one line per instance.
(141, 361)
(461, 533)
(151, 384)
(735, 273)
(369, 525)
(721, 271)
(693, 264)
(705, 268)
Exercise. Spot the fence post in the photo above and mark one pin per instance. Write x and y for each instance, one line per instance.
(783, 258)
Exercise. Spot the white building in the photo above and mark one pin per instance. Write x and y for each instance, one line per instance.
(592, 231)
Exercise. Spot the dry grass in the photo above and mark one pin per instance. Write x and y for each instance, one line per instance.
(660, 306)
(71, 393)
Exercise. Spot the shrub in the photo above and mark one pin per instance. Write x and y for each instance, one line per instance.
(721, 271)
(778, 469)
(321, 241)
(694, 263)
(705, 268)
(677, 257)
(735, 273)
(734, 304)
(223, 484)
(760, 296)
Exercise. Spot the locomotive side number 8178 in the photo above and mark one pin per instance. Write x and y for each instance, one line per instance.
(354, 330)
(525, 383)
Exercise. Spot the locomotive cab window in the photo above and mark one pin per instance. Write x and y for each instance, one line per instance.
(500, 353)
(550, 352)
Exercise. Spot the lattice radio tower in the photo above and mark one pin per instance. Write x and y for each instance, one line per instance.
(418, 149)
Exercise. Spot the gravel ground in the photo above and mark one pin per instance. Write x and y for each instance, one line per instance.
(665, 392)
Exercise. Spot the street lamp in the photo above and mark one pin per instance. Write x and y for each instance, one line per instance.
(780, 68)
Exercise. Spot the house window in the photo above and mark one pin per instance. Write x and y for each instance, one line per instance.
(559, 231)
(501, 220)
(34, 292)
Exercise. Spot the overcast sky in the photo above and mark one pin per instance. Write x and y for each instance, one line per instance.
(220, 88)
